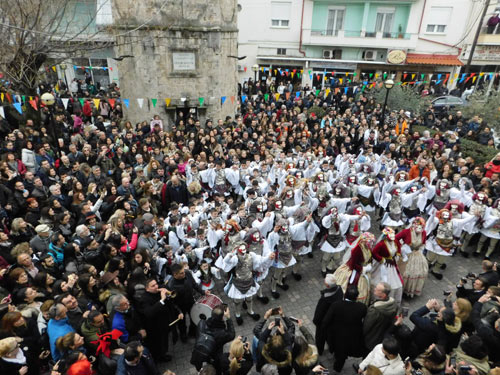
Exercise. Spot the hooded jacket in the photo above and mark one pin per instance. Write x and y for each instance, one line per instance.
(378, 319)
(482, 365)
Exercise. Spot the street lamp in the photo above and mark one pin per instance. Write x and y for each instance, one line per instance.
(255, 69)
(49, 100)
(389, 84)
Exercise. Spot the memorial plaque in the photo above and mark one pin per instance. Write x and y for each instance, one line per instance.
(184, 61)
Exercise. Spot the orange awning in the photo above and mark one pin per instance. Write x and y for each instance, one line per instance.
(430, 59)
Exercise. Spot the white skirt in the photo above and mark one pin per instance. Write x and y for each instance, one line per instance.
(280, 264)
(234, 293)
(305, 250)
(386, 273)
(219, 262)
(432, 245)
(491, 233)
(368, 208)
(327, 248)
(388, 222)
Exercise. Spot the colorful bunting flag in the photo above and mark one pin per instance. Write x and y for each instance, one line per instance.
(111, 102)
(201, 101)
(65, 102)
(33, 104)
(126, 102)
(17, 106)
(2, 113)
(81, 101)
(154, 101)
(167, 102)
(243, 98)
(223, 99)
(140, 102)
(96, 102)
(232, 99)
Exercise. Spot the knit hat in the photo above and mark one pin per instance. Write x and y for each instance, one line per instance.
(42, 228)
(108, 277)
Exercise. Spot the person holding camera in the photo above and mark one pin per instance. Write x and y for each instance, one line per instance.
(431, 362)
(471, 353)
(305, 352)
(478, 288)
(487, 330)
(441, 327)
(239, 360)
(216, 331)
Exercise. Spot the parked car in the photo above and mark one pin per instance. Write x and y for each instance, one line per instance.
(447, 102)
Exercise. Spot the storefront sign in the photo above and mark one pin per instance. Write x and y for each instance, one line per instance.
(487, 53)
(184, 61)
(333, 65)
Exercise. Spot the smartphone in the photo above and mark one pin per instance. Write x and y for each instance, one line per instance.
(277, 321)
(404, 311)
(295, 320)
(275, 311)
(244, 339)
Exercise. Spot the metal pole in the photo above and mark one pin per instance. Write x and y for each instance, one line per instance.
(385, 105)
(476, 37)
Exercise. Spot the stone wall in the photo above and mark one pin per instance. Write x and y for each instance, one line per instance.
(153, 31)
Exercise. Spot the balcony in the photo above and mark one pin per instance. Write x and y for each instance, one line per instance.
(489, 36)
(359, 38)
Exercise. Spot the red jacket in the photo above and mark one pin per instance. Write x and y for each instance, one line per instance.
(405, 235)
(491, 168)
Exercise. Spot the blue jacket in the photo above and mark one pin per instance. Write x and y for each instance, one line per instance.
(56, 329)
(57, 253)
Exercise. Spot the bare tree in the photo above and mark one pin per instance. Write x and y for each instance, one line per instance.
(34, 31)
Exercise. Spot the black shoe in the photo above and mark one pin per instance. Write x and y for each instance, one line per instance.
(239, 320)
(486, 257)
(275, 295)
(475, 254)
(310, 255)
(297, 276)
(165, 358)
(264, 299)
(244, 305)
(437, 275)
(323, 273)
(284, 286)
(254, 316)
(464, 254)
(184, 338)
(443, 266)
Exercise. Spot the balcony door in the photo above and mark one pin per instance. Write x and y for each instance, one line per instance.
(385, 21)
(335, 21)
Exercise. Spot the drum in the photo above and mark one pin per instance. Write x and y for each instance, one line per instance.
(202, 309)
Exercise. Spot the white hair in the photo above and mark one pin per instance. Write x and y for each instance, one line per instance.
(80, 229)
(330, 280)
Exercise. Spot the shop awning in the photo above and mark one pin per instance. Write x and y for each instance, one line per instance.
(431, 59)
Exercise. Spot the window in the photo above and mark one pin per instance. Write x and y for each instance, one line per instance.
(437, 19)
(281, 51)
(385, 19)
(104, 14)
(280, 14)
(335, 21)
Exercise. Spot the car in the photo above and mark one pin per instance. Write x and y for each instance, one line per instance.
(447, 102)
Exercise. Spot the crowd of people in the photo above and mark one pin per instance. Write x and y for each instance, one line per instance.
(111, 232)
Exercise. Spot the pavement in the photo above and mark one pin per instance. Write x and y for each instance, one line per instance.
(300, 301)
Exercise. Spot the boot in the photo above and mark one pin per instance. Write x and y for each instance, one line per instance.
(239, 320)
(275, 294)
(263, 299)
(437, 275)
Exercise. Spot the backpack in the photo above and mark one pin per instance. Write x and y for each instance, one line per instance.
(205, 345)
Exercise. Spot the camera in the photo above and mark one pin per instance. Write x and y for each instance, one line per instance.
(464, 370)
(244, 339)
(471, 275)
(446, 293)
(464, 280)
(277, 321)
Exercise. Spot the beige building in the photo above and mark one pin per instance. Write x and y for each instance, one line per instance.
(180, 50)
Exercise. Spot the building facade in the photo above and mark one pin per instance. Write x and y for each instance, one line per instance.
(404, 39)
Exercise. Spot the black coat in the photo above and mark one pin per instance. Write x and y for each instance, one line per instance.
(156, 317)
(328, 296)
(185, 291)
(177, 194)
(246, 364)
(342, 329)
(490, 336)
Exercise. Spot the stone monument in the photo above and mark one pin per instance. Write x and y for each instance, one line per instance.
(180, 50)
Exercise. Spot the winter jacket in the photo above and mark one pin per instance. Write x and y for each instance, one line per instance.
(56, 329)
(328, 296)
(378, 359)
(146, 366)
(428, 330)
(482, 365)
(304, 364)
(378, 319)
(29, 159)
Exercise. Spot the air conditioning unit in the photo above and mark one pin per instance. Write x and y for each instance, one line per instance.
(240, 68)
(370, 55)
(328, 54)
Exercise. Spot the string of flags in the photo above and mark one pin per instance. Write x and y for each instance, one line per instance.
(20, 102)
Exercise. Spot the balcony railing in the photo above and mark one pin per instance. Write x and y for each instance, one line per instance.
(359, 33)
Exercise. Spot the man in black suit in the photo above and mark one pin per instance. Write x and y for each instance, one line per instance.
(331, 294)
(342, 328)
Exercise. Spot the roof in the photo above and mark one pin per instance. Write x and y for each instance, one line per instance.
(431, 59)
